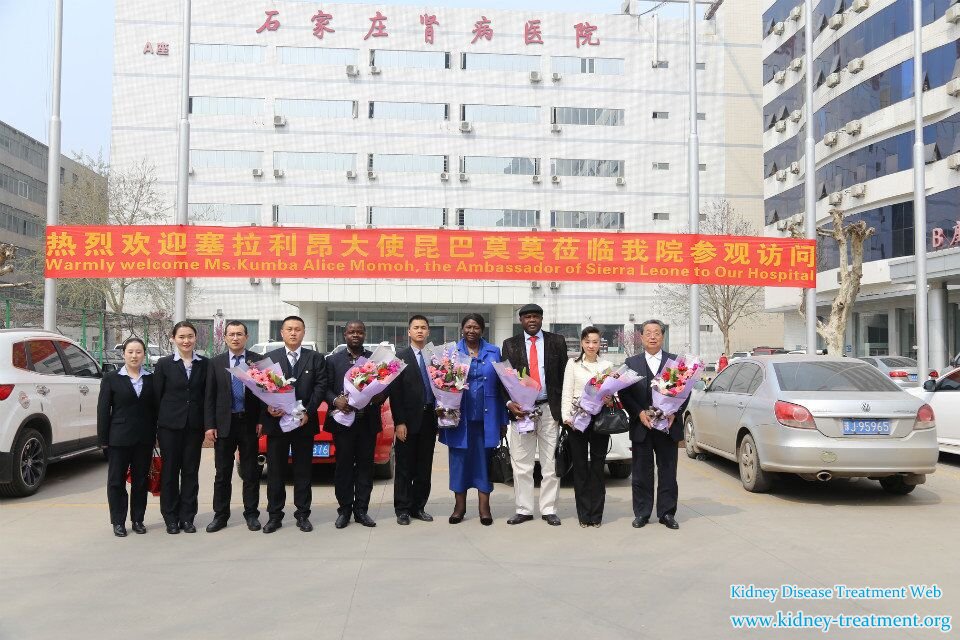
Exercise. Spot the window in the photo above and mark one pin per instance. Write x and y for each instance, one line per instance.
(703, 166)
(406, 216)
(216, 212)
(701, 66)
(783, 205)
(724, 379)
(586, 219)
(497, 218)
(599, 66)
(875, 160)
(661, 166)
(23, 189)
(780, 59)
(218, 106)
(225, 159)
(19, 356)
(409, 110)
(275, 326)
(831, 377)
(314, 215)
(784, 153)
(410, 59)
(701, 115)
(80, 363)
(45, 359)
(20, 184)
(514, 166)
(314, 160)
(317, 55)
(587, 168)
(20, 146)
(747, 380)
(703, 218)
(62, 173)
(661, 115)
(406, 163)
(661, 215)
(707, 328)
(499, 62)
(505, 113)
(19, 222)
(315, 108)
(226, 53)
(587, 116)
(661, 64)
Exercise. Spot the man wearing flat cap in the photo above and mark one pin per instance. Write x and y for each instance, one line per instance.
(544, 356)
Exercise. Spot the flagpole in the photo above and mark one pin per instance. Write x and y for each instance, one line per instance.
(53, 166)
(183, 157)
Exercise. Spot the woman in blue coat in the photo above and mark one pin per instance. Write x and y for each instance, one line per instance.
(482, 417)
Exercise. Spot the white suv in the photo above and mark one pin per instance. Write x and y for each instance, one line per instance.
(48, 406)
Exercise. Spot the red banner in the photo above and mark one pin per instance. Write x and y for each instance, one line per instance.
(304, 252)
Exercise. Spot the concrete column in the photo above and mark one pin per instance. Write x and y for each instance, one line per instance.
(893, 333)
(503, 317)
(937, 327)
(320, 327)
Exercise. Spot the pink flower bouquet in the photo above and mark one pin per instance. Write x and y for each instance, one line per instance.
(367, 378)
(523, 390)
(671, 388)
(448, 371)
(265, 380)
(600, 387)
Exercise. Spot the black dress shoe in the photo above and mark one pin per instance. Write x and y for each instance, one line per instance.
(253, 524)
(519, 518)
(173, 527)
(403, 519)
(669, 522)
(216, 524)
(364, 519)
(138, 527)
(120, 531)
(552, 519)
(342, 520)
(639, 523)
(486, 520)
(188, 527)
(455, 518)
(422, 515)
(304, 525)
(272, 525)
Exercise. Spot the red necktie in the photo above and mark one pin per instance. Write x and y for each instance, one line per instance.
(534, 361)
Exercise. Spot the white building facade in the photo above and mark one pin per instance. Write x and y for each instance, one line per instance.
(864, 131)
(390, 116)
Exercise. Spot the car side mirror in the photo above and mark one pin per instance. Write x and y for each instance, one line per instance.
(109, 367)
(699, 385)
(930, 385)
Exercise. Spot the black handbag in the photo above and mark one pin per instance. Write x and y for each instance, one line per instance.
(563, 456)
(610, 421)
(500, 468)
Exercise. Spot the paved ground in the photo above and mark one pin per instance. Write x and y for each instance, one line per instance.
(66, 576)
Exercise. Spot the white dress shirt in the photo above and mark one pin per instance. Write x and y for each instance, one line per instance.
(653, 361)
(297, 351)
(189, 368)
(138, 383)
(540, 362)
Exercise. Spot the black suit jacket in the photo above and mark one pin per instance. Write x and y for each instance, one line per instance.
(123, 418)
(639, 397)
(310, 387)
(514, 351)
(367, 418)
(219, 402)
(180, 399)
(406, 393)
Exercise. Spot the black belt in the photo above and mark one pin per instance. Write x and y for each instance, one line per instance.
(238, 415)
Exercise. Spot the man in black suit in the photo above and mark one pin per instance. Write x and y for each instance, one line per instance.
(353, 476)
(232, 412)
(649, 442)
(309, 369)
(414, 416)
(544, 356)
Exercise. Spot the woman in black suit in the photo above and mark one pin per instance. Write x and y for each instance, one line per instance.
(180, 383)
(127, 428)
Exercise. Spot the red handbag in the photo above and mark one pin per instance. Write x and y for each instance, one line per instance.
(153, 474)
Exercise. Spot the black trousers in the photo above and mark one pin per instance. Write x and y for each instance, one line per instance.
(242, 438)
(297, 444)
(664, 448)
(589, 485)
(179, 481)
(353, 475)
(136, 458)
(411, 488)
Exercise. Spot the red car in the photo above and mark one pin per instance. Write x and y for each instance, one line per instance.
(324, 451)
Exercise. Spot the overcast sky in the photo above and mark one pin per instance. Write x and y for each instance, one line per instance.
(26, 37)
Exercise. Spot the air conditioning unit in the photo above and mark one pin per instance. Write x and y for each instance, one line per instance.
(855, 65)
(374, 70)
(275, 281)
(537, 179)
(778, 28)
(555, 128)
(830, 138)
(555, 179)
(278, 173)
(833, 79)
(858, 190)
(953, 14)
(351, 174)
(555, 285)
(279, 121)
(254, 280)
(621, 181)
(258, 173)
(621, 286)
(464, 177)
(781, 126)
(859, 6)
(444, 176)
(780, 77)
(953, 161)
(782, 175)
(835, 198)
(371, 175)
(536, 76)
(534, 284)
(352, 70)
(796, 64)
(795, 115)
(854, 127)
(836, 21)
(953, 87)
(781, 225)
(465, 127)
(795, 168)
(556, 77)
(796, 12)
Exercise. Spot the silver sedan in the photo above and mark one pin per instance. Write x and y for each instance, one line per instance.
(820, 417)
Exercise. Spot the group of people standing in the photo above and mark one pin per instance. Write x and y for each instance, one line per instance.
(188, 398)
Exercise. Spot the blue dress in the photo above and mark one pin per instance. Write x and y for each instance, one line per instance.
(482, 413)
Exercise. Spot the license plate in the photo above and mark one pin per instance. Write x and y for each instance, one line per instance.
(320, 450)
(912, 377)
(861, 427)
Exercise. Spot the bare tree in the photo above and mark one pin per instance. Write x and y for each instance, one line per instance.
(7, 253)
(724, 304)
(849, 239)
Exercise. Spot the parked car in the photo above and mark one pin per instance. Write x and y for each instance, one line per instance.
(266, 347)
(48, 406)
(767, 351)
(736, 355)
(943, 394)
(902, 371)
(820, 417)
(325, 452)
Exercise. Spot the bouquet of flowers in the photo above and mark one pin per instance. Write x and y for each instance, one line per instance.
(448, 370)
(523, 390)
(601, 386)
(671, 388)
(265, 380)
(367, 378)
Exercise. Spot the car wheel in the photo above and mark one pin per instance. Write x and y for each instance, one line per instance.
(753, 477)
(619, 470)
(896, 485)
(690, 438)
(29, 464)
(386, 470)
